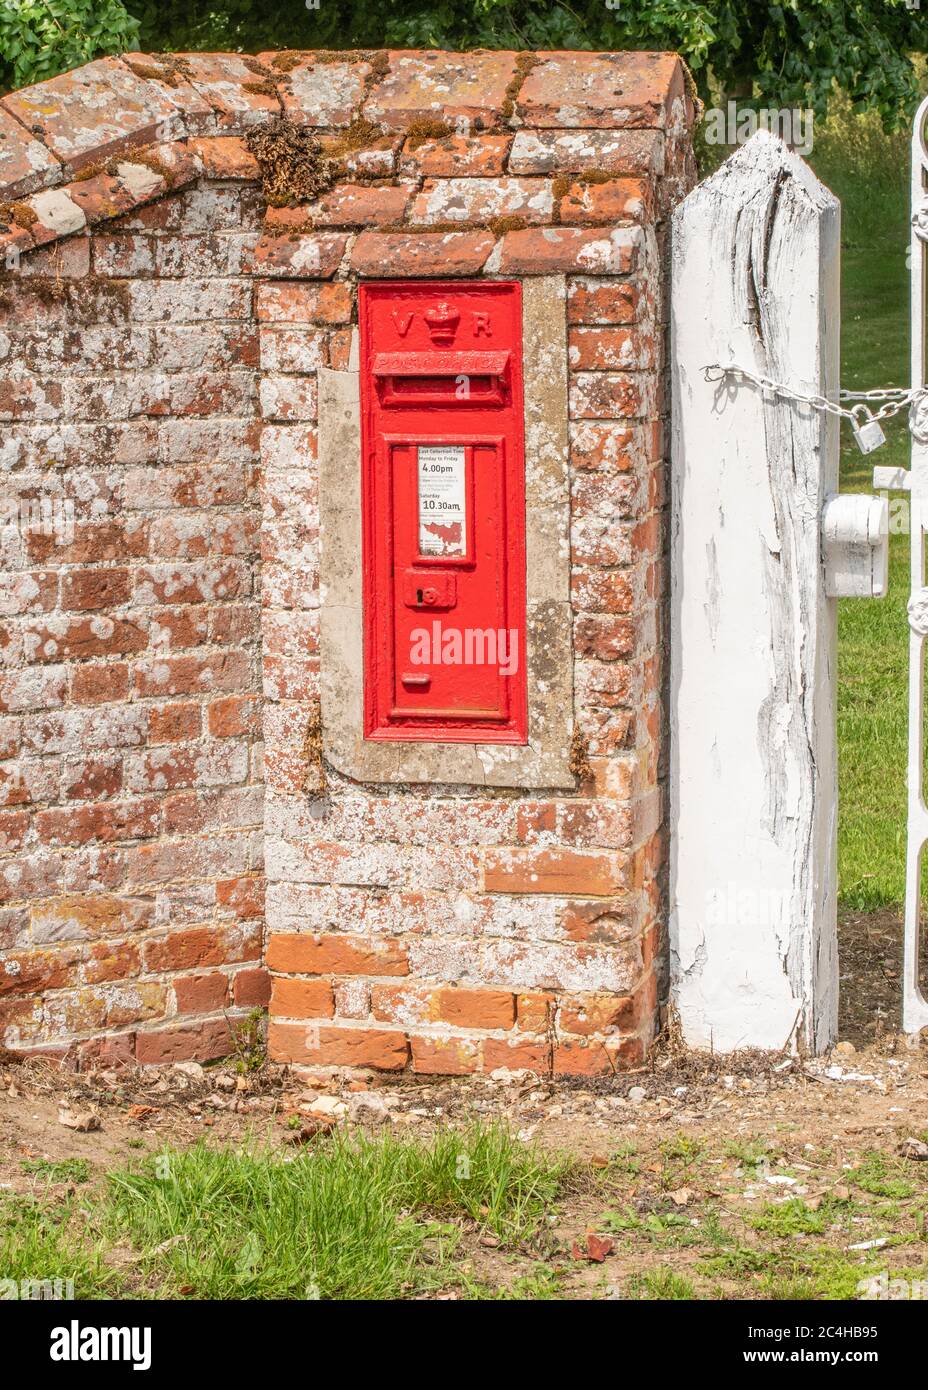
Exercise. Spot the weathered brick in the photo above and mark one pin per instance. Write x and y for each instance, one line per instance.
(560, 870)
(251, 989)
(360, 205)
(587, 151)
(452, 87)
(601, 90)
(199, 1042)
(296, 302)
(331, 1046)
(456, 156)
(480, 200)
(335, 955)
(401, 254)
(291, 998)
(445, 1056)
(606, 202)
(196, 994)
(160, 657)
(317, 257)
(557, 250)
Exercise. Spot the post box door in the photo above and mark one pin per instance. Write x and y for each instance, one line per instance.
(443, 511)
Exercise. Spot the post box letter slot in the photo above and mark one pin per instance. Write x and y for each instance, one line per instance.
(443, 512)
(420, 378)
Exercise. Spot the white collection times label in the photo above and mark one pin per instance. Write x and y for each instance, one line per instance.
(442, 504)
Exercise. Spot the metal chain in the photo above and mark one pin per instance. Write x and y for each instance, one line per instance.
(896, 398)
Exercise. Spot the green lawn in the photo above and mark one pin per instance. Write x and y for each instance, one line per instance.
(869, 173)
(474, 1214)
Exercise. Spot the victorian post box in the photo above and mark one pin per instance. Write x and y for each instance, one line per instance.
(443, 512)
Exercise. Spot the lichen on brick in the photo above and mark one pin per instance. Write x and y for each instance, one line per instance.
(316, 780)
(579, 759)
(292, 164)
(426, 128)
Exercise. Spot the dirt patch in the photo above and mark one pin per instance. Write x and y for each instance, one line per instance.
(746, 1176)
(870, 962)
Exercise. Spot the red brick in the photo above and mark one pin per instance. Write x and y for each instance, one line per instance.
(95, 588)
(235, 716)
(562, 250)
(516, 1055)
(111, 961)
(251, 989)
(130, 820)
(607, 203)
(604, 636)
(601, 89)
(315, 257)
(561, 871)
(199, 1042)
(476, 201)
(225, 157)
(410, 254)
(301, 998)
(335, 955)
(590, 151)
(536, 1012)
(28, 972)
(14, 826)
(605, 301)
(184, 950)
(360, 205)
(445, 1056)
(92, 778)
(476, 1008)
(136, 112)
(584, 1059)
(65, 639)
(450, 87)
(340, 1047)
(201, 994)
(99, 682)
(598, 923)
(595, 1013)
(174, 723)
(606, 349)
(188, 675)
(456, 156)
(294, 302)
(244, 897)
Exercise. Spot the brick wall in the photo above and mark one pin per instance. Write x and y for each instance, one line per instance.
(160, 330)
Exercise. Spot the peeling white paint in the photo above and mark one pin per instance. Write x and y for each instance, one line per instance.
(753, 916)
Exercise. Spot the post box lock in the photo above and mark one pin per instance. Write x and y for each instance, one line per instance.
(429, 589)
(443, 511)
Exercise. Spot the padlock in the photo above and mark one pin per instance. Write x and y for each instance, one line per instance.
(867, 432)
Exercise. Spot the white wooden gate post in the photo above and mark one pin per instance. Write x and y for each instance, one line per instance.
(753, 728)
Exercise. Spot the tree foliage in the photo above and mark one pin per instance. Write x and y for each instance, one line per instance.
(783, 52)
(39, 38)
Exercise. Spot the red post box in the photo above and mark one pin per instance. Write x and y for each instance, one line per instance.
(443, 511)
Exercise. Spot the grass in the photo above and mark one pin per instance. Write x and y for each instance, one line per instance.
(48, 1242)
(868, 171)
(473, 1215)
(75, 1170)
(350, 1218)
